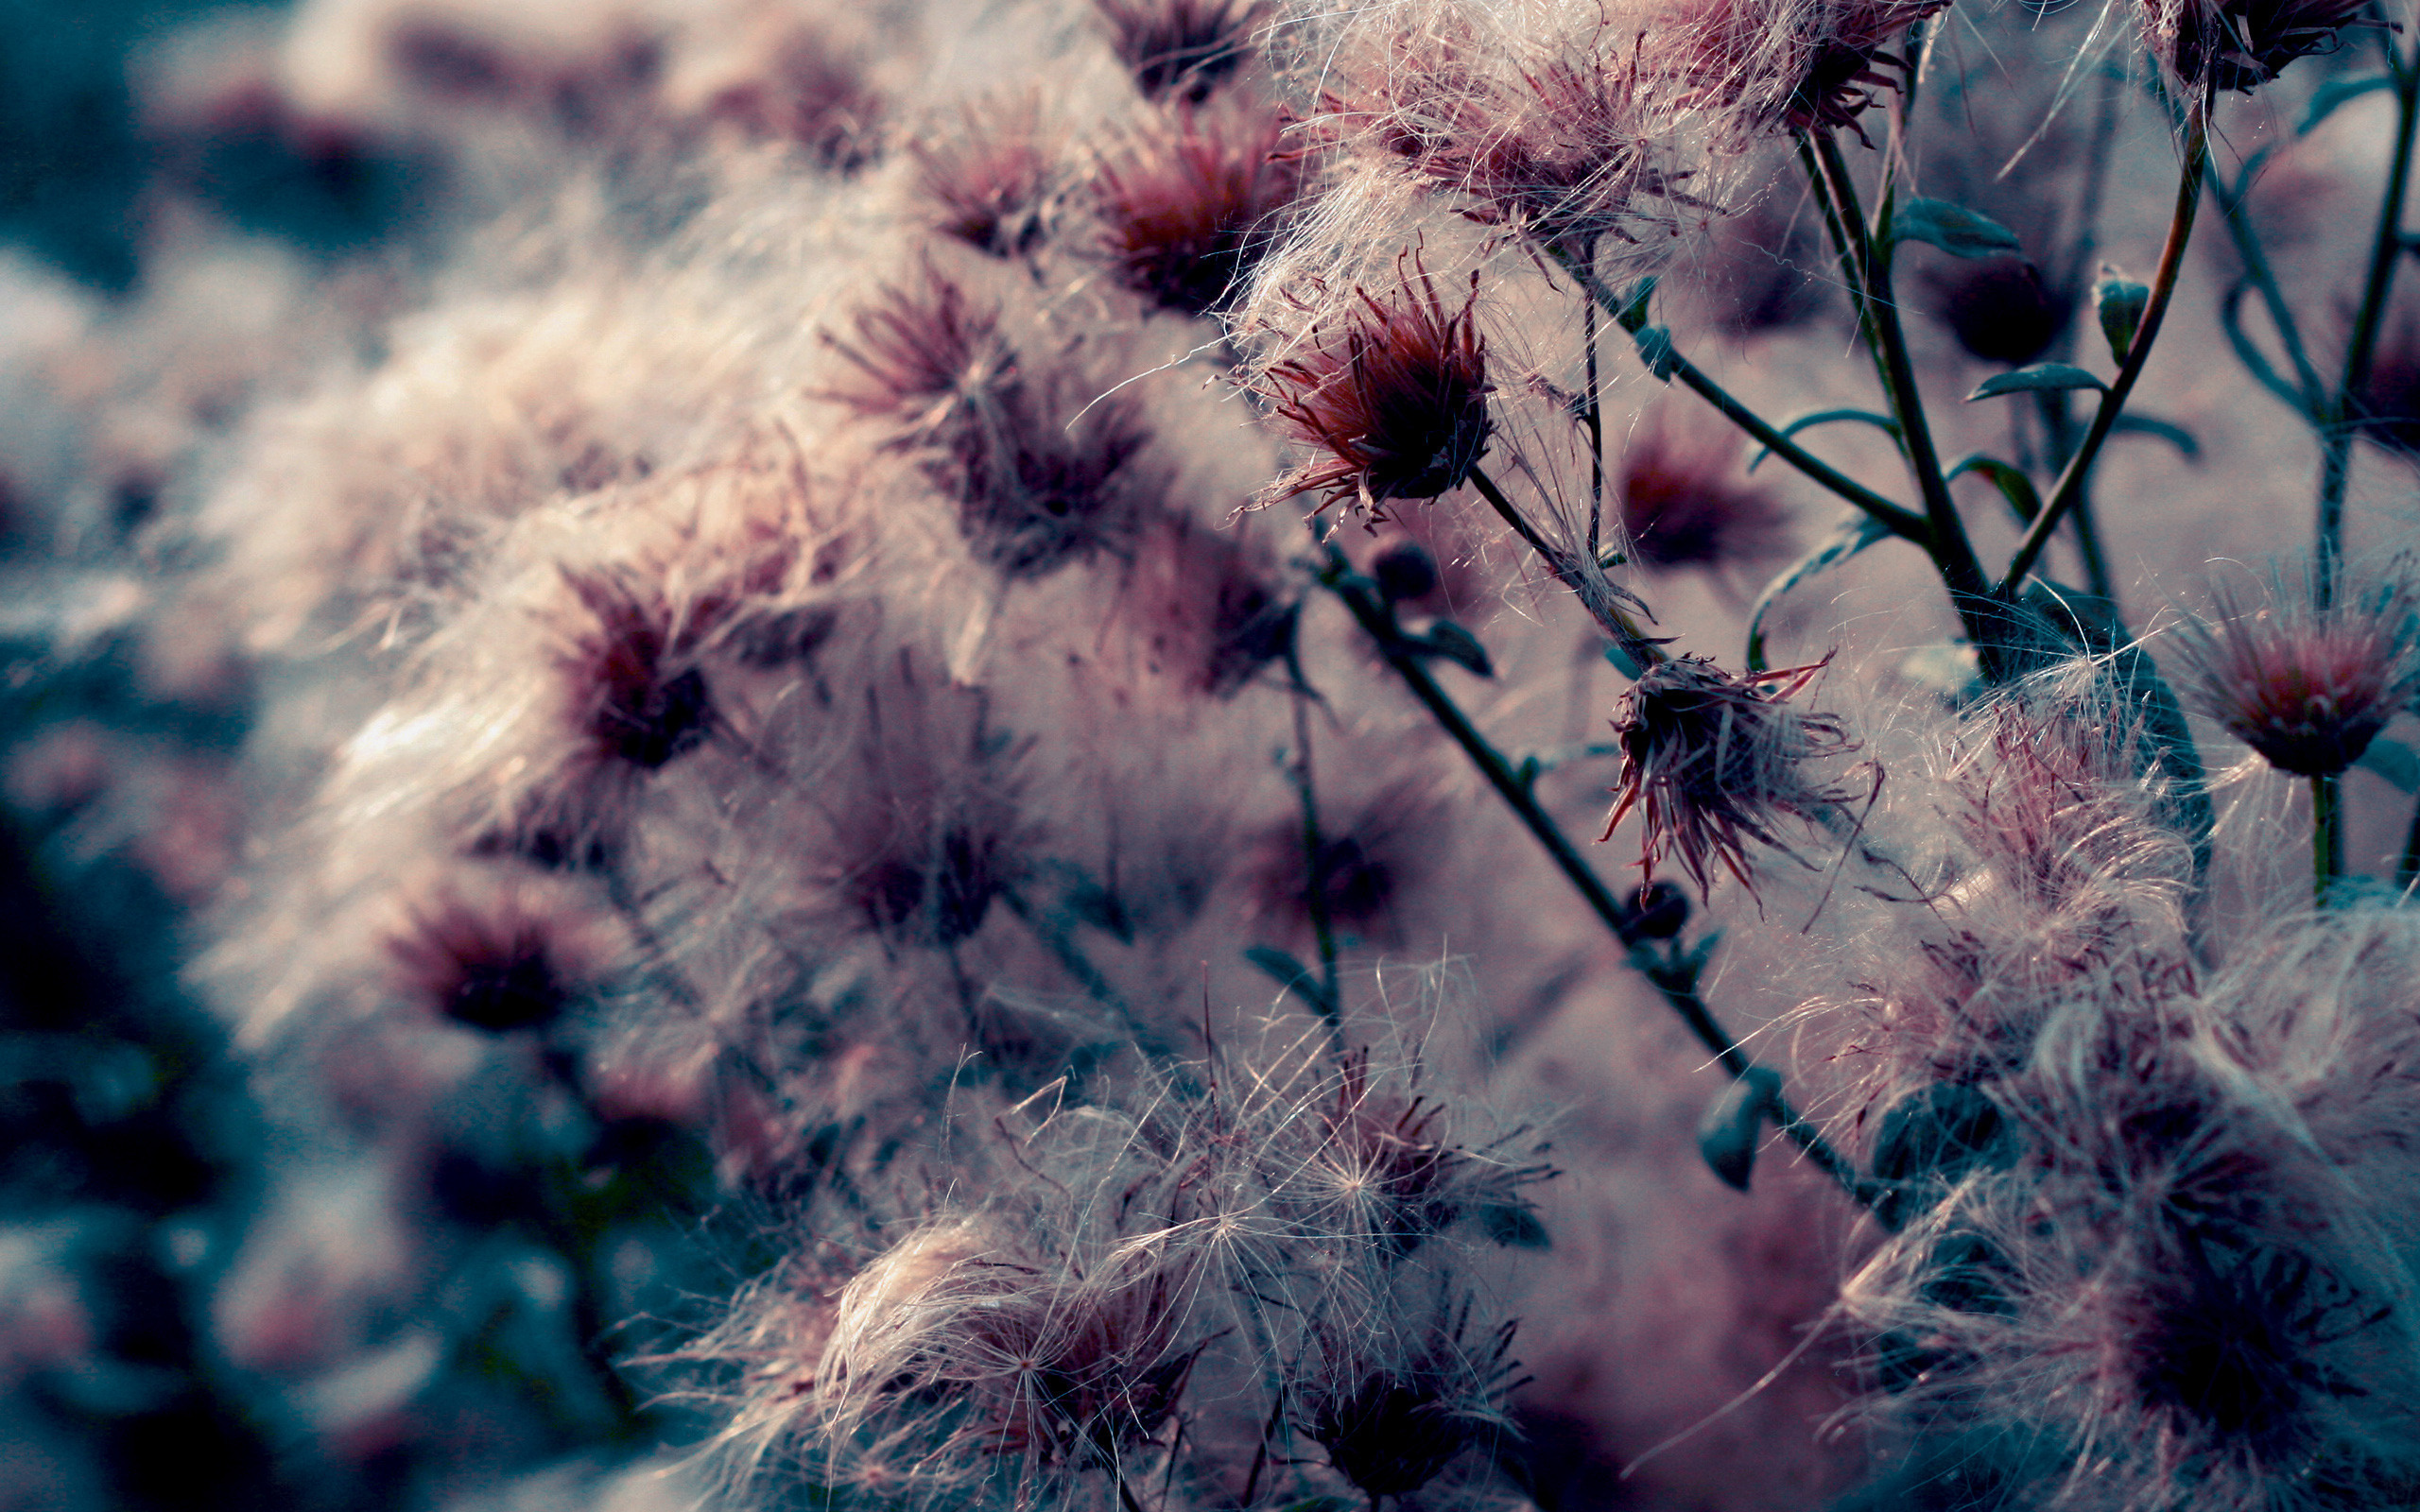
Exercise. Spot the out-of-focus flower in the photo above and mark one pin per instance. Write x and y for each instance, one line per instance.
(1710, 761)
(2000, 309)
(2388, 411)
(2240, 44)
(1182, 47)
(1685, 501)
(500, 953)
(1394, 404)
(2309, 688)
(1191, 203)
(990, 183)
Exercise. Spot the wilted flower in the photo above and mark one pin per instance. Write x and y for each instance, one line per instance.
(1390, 1427)
(2306, 687)
(2244, 44)
(1710, 760)
(921, 350)
(1185, 47)
(1396, 401)
(1192, 202)
(1799, 68)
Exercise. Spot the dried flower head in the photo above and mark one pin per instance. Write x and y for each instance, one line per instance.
(1685, 501)
(503, 958)
(1191, 203)
(1008, 1353)
(990, 183)
(1390, 1427)
(1567, 151)
(1791, 68)
(1395, 403)
(2306, 687)
(1709, 760)
(1182, 47)
(2241, 44)
(921, 350)
(637, 693)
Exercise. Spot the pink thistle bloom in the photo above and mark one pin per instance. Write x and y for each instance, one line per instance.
(501, 960)
(1396, 401)
(2308, 688)
(1709, 760)
(991, 183)
(1686, 504)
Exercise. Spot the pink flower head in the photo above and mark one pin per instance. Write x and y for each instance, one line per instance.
(499, 959)
(1709, 760)
(1796, 69)
(1685, 503)
(2308, 688)
(1191, 205)
(1395, 403)
(990, 182)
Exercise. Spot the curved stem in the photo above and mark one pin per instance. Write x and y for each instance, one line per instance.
(2233, 202)
(1584, 582)
(2386, 250)
(2172, 264)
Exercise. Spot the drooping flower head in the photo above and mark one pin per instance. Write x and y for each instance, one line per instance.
(2241, 44)
(1710, 761)
(2309, 688)
(1394, 404)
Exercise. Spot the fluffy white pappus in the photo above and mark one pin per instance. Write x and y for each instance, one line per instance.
(2171, 1246)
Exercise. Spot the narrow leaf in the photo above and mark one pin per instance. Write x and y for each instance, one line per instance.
(2014, 484)
(1454, 644)
(2174, 434)
(2042, 376)
(1954, 229)
(1826, 416)
(1854, 533)
(1733, 1126)
(2334, 92)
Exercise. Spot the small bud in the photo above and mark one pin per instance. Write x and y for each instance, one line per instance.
(1657, 910)
(2120, 302)
(1404, 571)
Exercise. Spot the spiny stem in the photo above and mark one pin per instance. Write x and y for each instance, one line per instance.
(1377, 621)
(2172, 264)
(2386, 251)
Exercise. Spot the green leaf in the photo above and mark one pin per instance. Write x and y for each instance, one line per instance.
(2120, 302)
(1954, 229)
(1854, 533)
(2041, 377)
(1733, 1126)
(2339, 92)
(1655, 349)
(1632, 316)
(1293, 976)
(1826, 416)
(1454, 644)
(2174, 434)
(2394, 761)
(2011, 480)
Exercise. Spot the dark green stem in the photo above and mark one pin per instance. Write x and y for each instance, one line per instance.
(1377, 621)
(1316, 864)
(2386, 251)
(2326, 837)
(1584, 581)
(2171, 264)
(2407, 871)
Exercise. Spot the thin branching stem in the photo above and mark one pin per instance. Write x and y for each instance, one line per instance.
(1377, 621)
(1316, 862)
(1567, 571)
(2172, 264)
(2386, 252)
(2235, 204)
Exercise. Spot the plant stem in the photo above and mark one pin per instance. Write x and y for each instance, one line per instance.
(1962, 571)
(1377, 621)
(1315, 862)
(2172, 264)
(1582, 581)
(2233, 202)
(2406, 870)
(2326, 837)
(1669, 364)
(2386, 250)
